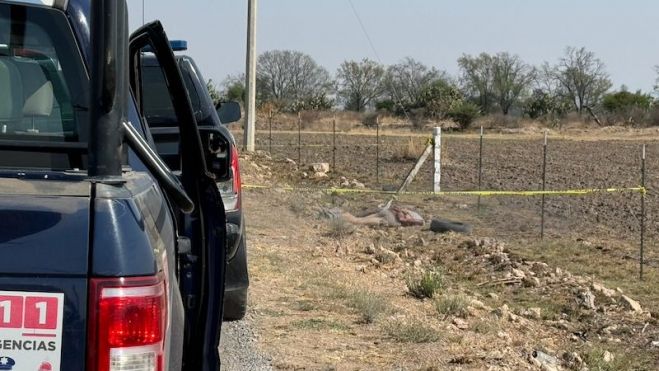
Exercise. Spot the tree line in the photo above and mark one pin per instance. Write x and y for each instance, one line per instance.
(501, 83)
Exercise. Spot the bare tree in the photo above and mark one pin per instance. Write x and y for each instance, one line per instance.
(477, 79)
(360, 84)
(290, 77)
(656, 83)
(582, 77)
(511, 77)
(407, 80)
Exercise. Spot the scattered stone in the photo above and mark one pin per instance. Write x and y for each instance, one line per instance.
(493, 296)
(460, 323)
(502, 312)
(477, 304)
(610, 329)
(357, 184)
(291, 162)
(545, 361)
(320, 167)
(370, 249)
(535, 313)
(598, 288)
(586, 299)
(320, 175)
(655, 344)
(631, 304)
(361, 268)
(572, 360)
(608, 357)
(503, 335)
(518, 273)
(531, 282)
(305, 175)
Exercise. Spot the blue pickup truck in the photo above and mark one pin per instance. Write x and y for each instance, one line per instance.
(163, 125)
(108, 259)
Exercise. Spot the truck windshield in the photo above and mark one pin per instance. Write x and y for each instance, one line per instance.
(43, 86)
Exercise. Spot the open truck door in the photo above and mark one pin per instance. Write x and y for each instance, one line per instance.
(202, 266)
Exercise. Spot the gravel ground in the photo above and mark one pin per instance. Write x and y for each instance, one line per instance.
(239, 348)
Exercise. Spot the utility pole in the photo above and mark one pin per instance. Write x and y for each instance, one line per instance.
(250, 106)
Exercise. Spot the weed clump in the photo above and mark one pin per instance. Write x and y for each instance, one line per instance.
(413, 332)
(426, 285)
(452, 305)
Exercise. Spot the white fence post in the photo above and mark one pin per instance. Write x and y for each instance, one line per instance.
(437, 140)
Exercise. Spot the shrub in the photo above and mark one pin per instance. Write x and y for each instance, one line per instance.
(427, 285)
(415, 332)
(440, 98)
(453, 305)
(369, 305)
(464, 114)
(387, 105)
(626, 107)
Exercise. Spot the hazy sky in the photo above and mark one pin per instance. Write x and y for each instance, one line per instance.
(623, 33)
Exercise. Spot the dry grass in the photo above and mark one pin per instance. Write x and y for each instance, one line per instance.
(411, 332)
(452, 305)
(339, 228)
(319, 324)
(410, 151)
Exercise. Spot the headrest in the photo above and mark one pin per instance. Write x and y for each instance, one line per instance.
(40, 103)
(11, 91)
(37, 88)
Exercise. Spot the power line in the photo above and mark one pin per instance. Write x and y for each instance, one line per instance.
(377, 56)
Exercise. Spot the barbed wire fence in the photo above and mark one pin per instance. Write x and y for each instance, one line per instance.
(375, 157)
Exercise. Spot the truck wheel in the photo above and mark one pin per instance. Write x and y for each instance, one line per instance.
(235, 301)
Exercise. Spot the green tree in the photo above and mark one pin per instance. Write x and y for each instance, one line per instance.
(625, 106)
(439, 98)
(214, 93)
(360, 84)
(233, 88)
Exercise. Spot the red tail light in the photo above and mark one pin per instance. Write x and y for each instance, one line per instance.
(235, 169)
(127, 324)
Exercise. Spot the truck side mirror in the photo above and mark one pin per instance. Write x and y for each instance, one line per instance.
(228, 111)
(217, 150)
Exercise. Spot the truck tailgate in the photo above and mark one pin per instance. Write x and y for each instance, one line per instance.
(44, 248)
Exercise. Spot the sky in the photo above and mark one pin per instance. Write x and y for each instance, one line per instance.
(622, 33)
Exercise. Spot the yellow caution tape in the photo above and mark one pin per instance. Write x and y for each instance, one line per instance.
(569, 192)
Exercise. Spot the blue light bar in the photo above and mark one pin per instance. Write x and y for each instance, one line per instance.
(178, 45)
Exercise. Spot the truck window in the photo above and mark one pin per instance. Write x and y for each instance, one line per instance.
(43, 94)
(158, 108)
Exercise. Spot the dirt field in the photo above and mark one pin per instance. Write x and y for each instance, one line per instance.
(327, 298)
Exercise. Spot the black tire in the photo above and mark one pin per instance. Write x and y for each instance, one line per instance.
(235, 305)
(235, 298)
(444, 226)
